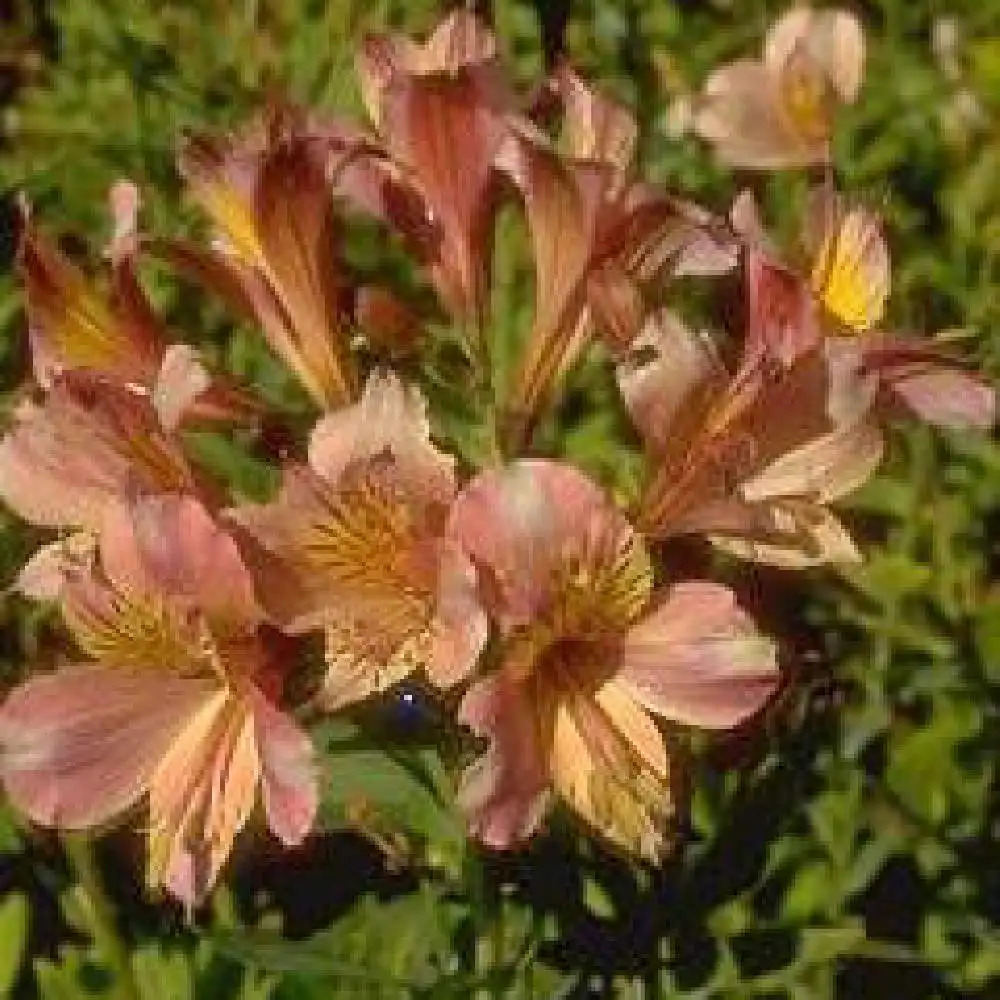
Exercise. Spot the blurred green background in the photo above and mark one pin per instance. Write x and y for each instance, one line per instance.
(852, 850)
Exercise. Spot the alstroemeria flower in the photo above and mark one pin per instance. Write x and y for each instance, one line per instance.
(357, 549)
(835, 302)
(75, 325)
(751, 459)
(777, 112)
(90, 443)
(598, 237)
(176, 703)
(439, 114)
(267, 194)
(589, 654)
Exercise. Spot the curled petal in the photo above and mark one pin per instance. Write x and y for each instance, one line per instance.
(929, 382)
(460, 39)
(669, 379)
(825, 468)
(45, 574)
(268, 194)
(181, 380)
(445, 131)
(697, 659)
(781, 313)
(72, 325)
(597, 128)
(833, 41)
(562, 207)
(504, 792)
(77, 747)
(789, 533)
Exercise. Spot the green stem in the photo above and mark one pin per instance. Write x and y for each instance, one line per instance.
(80, 853)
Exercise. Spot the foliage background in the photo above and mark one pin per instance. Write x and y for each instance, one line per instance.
(850, 852)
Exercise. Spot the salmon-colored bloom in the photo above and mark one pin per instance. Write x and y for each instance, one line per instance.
(357, 549)
(266, 192)
(439, 113)
(599, 237)
(589, 654)
(778, 112)
(73, 324)
(835, 302)
(751, 459)
(91, 442)
(176, 703)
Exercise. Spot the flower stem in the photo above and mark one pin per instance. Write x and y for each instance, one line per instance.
(104, 927)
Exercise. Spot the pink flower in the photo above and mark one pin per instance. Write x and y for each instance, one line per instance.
(777, 112)
(74, 325)
(599, 238)
(266, 192)
(174, 705)
(836, 301)
(439, 113)
(750, 459)
(90, 443)
(589, 653)
(354, 545)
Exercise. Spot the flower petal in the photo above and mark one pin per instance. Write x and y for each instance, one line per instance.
(790, 534)
(562, 204)
(44, 575)
(740, 114)
(832, 39)
(824, 469)
(672, 376)
(946, 397)
(548, 543)
(697, 659)
(169, 545)
(445, 130)
(288, 772)
(78, 746)
(201, 794)
(610, 764)
(90, 442)
(781, 314)
(851, 272)
(71, 324)
(504, 792)
(929, 382)
(596, 128)
(390, 420)
(181, 380)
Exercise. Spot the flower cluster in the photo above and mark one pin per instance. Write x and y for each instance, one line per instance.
(512, 580)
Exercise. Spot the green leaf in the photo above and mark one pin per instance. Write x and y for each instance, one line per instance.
(404, 943)
(597, 900)
(391, 791)
(13, 939)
